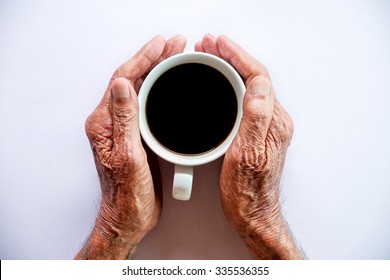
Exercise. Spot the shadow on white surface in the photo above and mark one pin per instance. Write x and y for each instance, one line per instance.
(194, 229)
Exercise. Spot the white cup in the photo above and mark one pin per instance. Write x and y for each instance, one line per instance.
(184, 164)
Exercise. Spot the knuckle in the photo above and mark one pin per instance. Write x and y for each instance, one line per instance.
(88, 126)
(263, 116)
(288, 128)
(284, 125)
(255, 111)
(98, 126)
(256, 114)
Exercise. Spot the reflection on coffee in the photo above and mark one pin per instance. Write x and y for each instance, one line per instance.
(191, 108)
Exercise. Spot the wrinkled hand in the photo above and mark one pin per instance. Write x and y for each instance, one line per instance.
(131, 196)
(253, 164)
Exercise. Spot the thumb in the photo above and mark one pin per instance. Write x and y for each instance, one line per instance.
(124, 113)
(258, 107)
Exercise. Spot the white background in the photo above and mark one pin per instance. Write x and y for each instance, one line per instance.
(330, 66)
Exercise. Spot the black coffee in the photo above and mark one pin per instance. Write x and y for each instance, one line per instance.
(191, 108)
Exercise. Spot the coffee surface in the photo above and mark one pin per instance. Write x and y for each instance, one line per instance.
(191, 108)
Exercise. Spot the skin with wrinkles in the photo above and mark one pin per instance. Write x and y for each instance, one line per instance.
(253, 164)
(131, 195)
(129, 173)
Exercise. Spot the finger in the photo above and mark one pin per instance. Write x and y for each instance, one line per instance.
(124, 114)
(258, 107)
(173, 46)
(136, 66)
(209, 44)
(141, 63)
(199, 47)
(245, 64)
(151, 54)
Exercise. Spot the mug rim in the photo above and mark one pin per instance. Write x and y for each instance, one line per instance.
(196, 57)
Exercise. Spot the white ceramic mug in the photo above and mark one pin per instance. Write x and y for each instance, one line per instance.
(184, 164)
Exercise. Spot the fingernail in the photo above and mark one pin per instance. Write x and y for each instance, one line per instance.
(120, 90)
(261, 86)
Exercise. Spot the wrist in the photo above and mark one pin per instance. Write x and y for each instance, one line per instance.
(99, 247)
(108, 242)
(114, 225)
(259, 212)
(261, 225)
(270, 238)
(112, 237)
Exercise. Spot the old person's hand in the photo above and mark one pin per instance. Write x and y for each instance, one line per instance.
(253, 164)
(129, 175)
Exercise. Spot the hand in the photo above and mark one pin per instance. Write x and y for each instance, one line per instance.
(253, 164)
(131, 197)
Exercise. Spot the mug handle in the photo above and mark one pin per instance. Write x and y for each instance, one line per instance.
(182, 182)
